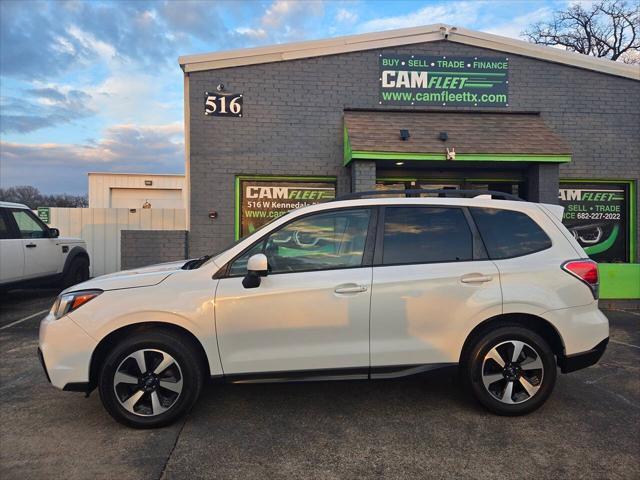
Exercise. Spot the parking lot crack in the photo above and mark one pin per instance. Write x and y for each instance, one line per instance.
(173, 447)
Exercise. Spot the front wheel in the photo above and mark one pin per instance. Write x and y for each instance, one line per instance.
(150, 379)
(510, 370)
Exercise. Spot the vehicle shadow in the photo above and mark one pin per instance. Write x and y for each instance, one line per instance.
(326, 398)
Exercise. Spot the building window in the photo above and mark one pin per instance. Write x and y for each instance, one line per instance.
(259, 200)
(599, 216)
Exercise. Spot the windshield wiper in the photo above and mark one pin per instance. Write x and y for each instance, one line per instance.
(196, 263)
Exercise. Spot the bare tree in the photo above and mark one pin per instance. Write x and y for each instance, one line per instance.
(608, 28)
(26, 194)
(32, 198)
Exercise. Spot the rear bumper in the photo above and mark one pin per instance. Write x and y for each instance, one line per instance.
(578, 361)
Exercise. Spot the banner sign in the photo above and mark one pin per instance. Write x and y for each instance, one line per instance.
(218, 104)
(597, 216)
(44, 214)
(262, 201)
(444, 81)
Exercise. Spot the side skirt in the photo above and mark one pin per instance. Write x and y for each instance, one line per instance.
(321, 375)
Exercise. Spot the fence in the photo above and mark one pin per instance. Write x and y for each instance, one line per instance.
(101, 227)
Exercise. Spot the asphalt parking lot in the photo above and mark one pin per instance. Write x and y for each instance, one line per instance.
(409, 428)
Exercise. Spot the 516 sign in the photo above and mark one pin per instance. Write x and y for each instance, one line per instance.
(223, 104)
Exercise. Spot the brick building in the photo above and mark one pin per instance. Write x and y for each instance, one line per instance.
(271, 128)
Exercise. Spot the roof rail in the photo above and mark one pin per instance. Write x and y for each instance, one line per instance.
(441, 193)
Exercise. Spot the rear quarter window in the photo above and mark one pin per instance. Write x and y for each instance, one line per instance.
(508, 234)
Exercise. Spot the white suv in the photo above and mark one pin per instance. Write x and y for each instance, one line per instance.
(31, 253)
(363, 288)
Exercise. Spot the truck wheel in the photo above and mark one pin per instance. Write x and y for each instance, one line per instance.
(510, 370)
(150, 379)
(77, 272)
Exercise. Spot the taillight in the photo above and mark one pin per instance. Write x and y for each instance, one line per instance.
(586, 271)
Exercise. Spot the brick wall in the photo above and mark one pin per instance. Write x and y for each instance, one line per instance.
(145, 247)
(292, 123)
(543, 183)
(363, 175)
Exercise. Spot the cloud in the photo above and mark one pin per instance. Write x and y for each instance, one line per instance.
(143, 98)
(515, 26)
(43, 107)
(346, 16)
(285, 21)
(197, 18)
(457, 13)
(256, 33)
(50, 38)
(62, 168)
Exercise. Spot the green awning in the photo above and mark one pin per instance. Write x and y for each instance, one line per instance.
(475, 136)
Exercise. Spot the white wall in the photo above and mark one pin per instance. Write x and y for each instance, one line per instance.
(107, 190)
(137, 197)
(100, 228)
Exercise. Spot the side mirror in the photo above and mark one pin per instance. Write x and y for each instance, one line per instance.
(257, 267)
(54, 233)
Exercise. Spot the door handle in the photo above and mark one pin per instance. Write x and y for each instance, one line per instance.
(350, 288)
(475, 278)
(31, 245)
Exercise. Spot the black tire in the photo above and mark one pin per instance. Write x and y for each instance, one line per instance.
(478, 368)
(190, 368)
(77, 272)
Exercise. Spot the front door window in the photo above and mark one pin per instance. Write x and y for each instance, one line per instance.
(319, 242)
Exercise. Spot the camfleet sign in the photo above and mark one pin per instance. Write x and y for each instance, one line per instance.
(453, 81)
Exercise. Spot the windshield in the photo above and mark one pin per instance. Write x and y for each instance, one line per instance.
(209, 258)
(233, 244)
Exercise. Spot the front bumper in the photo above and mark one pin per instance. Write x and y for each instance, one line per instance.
(65, 352)
(44, 366)
(578, 361)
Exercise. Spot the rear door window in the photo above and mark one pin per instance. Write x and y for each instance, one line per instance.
(425, 235)
(508, 234)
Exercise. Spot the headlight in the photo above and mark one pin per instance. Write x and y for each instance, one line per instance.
(69, 302)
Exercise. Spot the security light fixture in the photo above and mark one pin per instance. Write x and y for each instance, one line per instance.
(443, 136)
(220, 87)
(399, 164)
(404, 135)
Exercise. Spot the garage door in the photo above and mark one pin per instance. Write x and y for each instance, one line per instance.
(136, 198)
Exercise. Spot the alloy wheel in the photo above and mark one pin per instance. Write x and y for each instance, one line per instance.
(148, 382)
(512, 372)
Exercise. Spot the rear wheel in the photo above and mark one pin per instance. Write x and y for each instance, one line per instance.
(510, 370)
(150, 379)
(77, 272)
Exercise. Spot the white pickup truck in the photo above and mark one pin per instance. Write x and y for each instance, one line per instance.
(32, 254)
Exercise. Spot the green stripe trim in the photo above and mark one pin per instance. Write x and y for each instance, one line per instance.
(450, 180)
(469, 74)
(460, 157)
(605, 245)
(348, 154)
(619, 281)
(236, 226)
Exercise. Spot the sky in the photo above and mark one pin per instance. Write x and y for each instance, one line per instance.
(96, 86)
